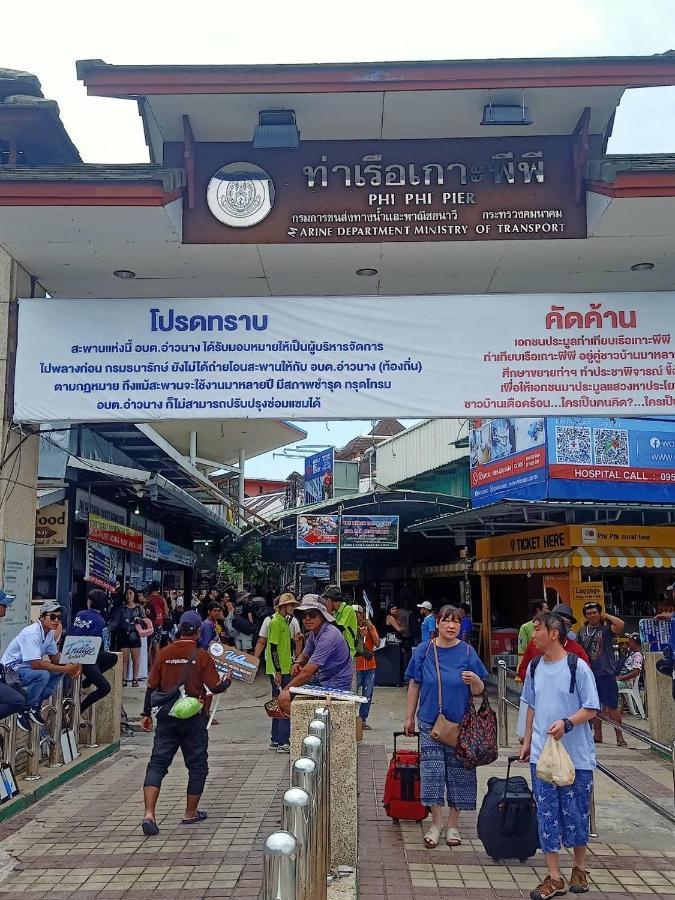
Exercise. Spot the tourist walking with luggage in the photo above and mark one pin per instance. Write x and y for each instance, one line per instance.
(443, 674)
(562, 698)
(597, 639)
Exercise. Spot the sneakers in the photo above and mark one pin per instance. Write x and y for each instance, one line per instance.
(578, 881)
(273, 745)
(284, 748)
(35, 715)
(22, 721)
(550, 887)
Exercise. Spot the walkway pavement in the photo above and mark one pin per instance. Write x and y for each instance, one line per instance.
(84, 842)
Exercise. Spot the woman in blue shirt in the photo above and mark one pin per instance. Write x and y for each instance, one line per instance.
(462, 674)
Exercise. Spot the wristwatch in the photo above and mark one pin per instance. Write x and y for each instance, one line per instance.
(569, 725)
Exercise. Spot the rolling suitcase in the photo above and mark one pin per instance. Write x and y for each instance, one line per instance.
(507, 821)
(402, 786)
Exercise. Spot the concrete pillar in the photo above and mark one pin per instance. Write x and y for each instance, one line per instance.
(18, 464)
(660, 703)
(343, 769)
(109, 710)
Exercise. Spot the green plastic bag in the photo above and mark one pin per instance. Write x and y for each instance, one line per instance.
(185, 707)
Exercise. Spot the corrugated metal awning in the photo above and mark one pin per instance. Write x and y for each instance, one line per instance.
(585, 558)
(457, 568)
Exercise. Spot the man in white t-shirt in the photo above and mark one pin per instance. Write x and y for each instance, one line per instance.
(296, 636)
(26, 666)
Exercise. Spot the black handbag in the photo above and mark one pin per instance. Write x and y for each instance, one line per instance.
(162, 698)
(241, 624)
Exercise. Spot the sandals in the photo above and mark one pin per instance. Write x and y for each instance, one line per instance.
(134, 683)
(431, 838)
(452, 838)
(621, 742)
(198, 817)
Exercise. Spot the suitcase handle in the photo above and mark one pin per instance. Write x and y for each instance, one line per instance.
(509, 760)
(398, 734)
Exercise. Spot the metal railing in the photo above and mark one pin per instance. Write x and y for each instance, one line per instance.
(297, 859)
(503, 703)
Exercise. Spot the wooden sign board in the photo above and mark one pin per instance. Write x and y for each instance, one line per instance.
(588, 592)
(240, 665)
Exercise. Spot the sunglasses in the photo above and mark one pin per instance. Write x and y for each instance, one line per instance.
(54, 617)
(311, 613)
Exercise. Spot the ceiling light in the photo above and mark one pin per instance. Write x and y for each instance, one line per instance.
(642, 267)
(124, 273)
(506, 114)
(366, 273)
(276, 130)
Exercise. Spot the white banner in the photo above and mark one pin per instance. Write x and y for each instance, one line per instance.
(345, 357)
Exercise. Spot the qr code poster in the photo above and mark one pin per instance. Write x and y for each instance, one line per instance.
(611, 447)
(573, 444)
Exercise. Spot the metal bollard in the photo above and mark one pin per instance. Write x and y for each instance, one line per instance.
(56, 709)
(322, 713)
(8, 732)
(592, 825)
(296, 810)
(280, 860)
(76, 716)
(312, 747)
(89, 723)
(502, 709)
(34, 752)
(317, 728)
(304, 775)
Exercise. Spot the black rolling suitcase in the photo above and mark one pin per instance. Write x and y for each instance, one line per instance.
(507, 821)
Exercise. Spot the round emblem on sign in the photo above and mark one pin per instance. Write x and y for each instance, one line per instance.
(240, 194)
(216, 649)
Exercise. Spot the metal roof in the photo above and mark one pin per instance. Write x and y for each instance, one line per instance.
(607, 168)
(511, 515)
(171, 179)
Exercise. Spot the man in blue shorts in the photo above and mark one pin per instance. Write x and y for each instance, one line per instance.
(562, 698)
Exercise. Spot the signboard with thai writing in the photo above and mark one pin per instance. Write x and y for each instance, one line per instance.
(507, 455)
(369, 532)
(230, 661)
(102, 531)
(319, 476)
(361, 357)
(506, 188)
(80, 649)
(317, 532)
(51, 526)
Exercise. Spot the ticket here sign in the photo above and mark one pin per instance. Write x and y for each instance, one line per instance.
(230, 661)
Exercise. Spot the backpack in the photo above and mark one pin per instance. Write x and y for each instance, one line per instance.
(572, 662)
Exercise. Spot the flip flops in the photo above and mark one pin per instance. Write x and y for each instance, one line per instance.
(199, 817)
(149, 827)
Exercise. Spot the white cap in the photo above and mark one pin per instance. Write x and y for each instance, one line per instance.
(425, 605)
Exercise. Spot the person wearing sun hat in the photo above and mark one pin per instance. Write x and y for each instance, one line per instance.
(277, 644)
(326, 660)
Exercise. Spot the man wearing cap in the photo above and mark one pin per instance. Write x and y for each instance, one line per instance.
(429, 620)
(277, 644)
(326, 660)
(26, 667)
(345, 617)
(179, 663)
(12, 700)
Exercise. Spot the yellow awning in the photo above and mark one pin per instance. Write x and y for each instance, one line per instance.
(585, 558)
(459, 567)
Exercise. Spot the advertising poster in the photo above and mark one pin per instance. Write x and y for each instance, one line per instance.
(230, 661)
(319, 476)
(102, 565)
(366, 358)
(611, 459)
(507, 458)
(317, 531)
(102, 531)
(51, 526)
(80, 649)
(369, 532)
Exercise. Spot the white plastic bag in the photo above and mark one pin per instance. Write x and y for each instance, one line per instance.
(555, 765)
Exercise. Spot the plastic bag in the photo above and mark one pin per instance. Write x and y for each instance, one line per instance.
(185, 707)
(555, 765)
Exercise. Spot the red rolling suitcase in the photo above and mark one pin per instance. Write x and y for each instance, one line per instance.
(402, 787)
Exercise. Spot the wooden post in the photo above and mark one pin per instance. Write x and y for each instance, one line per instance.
(487, 627)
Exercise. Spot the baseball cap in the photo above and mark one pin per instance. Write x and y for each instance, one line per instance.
(562, 609)
(6, 599)
(313, 601)
(425, 605)
(332, 592)
(50, 606)
(190, 621)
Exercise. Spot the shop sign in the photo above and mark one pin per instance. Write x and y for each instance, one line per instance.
(507, 455)
(360, 357)
(622, 536)
(80, 649)
(319, 476)
(147, 526)
(179, 555)
(102, 565)
(150, 548)
(86, 503)
(230, 661)
(587, 592)
(369, 532)
(51, 526)
(320, 571)
(113, 534)
(470, 189)
(542, 540)
(349, 576)
(317, 531)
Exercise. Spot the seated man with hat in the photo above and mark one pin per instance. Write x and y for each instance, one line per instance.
(326, 661)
